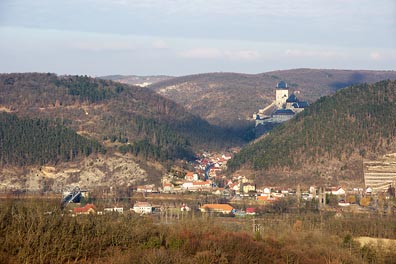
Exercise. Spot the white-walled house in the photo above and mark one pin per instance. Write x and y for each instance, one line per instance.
(142, 208)
(114, 209)
(197, 185)
(338, 191)
(187, 185)
(167, 187)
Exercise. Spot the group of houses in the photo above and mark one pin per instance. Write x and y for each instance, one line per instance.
(146, 208)
(208, 176)
(263, 195)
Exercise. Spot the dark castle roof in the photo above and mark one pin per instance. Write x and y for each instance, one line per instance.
(292, 99)
(303, 104)
(281, 85)
(295, 102)
(283, 112)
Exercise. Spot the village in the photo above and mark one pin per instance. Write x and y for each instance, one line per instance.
(207, 189)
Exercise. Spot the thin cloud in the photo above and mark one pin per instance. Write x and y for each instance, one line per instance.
(323, 54)
(214, 53)
(244, 55)
(98, 46)
(160, 44)
(375, 55)
(201, 53)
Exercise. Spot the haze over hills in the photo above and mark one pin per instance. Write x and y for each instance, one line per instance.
(230, 98)
(327, 142)
(137, 80)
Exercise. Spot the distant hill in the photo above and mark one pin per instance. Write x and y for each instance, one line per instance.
(137, 80)
(328, 141)
(229, 99)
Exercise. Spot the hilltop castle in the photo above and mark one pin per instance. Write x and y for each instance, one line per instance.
(283, 108)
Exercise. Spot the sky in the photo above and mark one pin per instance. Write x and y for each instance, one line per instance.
(180, 37)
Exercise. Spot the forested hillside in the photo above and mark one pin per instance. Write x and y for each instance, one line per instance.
(330, 138)
(131, 118)
(34, 141)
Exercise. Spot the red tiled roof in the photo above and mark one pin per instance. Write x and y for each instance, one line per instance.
(142, 204)
(84, 209)
(222, 207)
(201, 183)
(266, 198)
(250, 210)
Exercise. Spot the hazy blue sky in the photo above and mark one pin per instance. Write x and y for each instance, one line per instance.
(178, 37)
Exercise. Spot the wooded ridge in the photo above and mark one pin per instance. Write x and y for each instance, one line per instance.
(131, 118)
(355, 123)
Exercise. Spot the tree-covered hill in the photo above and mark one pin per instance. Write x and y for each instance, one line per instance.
(35, 141)
(328, 140)
(131, 118)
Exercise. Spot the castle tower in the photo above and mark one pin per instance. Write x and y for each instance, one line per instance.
(281, 94)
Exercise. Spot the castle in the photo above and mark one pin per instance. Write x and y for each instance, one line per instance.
(284, 107)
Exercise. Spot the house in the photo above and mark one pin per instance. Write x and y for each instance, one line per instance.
(86, 209)
(248, 187)
(185, 208)
(285, 191)
(240, 213)
(234, 187)
(218, 191)
(150, 188)
(250, 211)
(142, 208)
(217, 208)
(191, 176)
(167, 187)
(267, 191)
(266, 198)
(187, 185)
(114, 209)
(343, 203)
(213, 171)
(222, 191)
(203, 164)
(226, 156)
(242, 179)
(197, 186)
(278, 195)
(200, 185)
(337, 191)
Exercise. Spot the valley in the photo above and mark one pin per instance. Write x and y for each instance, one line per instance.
(139, 126)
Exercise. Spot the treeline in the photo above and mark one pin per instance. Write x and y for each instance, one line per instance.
(359, 120)
(89, 89)
(20, 90)
(25, 141)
